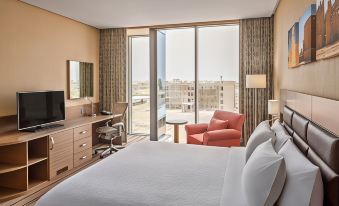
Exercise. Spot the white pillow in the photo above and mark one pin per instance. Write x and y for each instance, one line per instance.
(281, 134)
(303, 185)
(263, 176)
(261, 134)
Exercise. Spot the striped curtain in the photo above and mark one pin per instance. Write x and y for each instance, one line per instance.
(112, 67)
(256, 57)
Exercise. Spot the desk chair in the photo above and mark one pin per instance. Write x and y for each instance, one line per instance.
(113, 129)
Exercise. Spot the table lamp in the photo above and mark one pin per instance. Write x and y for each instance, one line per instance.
(273, 109)
(256, 81)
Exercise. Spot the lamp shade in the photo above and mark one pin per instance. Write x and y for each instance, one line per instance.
(256, 81)
(273, 107)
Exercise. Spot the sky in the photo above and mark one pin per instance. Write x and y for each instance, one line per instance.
(218, 54)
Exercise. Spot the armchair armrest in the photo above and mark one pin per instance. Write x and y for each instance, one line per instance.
(196, 128)
(222, 134)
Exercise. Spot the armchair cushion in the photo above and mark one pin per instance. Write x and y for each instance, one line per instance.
(217, 124)
(219, 135)
(195, 128)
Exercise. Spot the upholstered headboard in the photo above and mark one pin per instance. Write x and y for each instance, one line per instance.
(320, 146)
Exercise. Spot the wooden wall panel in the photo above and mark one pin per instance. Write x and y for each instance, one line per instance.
(325, 112)
(322, 111)
(303, 104)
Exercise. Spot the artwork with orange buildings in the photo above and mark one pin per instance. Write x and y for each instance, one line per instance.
(327, 31)
(307, 36)
(302, 39)
(293, 46)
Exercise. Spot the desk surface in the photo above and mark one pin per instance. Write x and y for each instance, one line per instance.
(15, 137)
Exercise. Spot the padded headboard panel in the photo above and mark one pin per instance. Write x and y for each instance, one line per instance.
(320, 147)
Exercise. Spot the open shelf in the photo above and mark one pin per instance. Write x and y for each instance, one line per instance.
(12, 183)
(37, 150)
(13, 157)
(35, 182)
(5, 167)
(8, 192)
(34, 160)
(37, 173)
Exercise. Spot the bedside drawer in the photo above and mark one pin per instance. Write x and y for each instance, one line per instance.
(82, 157)
(82, 144)
(82, 132)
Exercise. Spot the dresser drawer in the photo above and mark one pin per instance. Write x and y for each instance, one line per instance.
(82, 157)
(82, 144)
(82, 132)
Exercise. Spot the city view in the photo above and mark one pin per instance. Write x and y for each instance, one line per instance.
(217, 86)
(180, 102)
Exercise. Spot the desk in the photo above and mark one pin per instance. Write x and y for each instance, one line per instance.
(29, 160)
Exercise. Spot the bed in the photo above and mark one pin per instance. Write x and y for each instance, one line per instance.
(155, 173)
(152, 173)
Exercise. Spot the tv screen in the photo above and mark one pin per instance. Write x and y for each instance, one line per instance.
(40, 108)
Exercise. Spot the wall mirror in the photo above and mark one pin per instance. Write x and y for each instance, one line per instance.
(80, 79)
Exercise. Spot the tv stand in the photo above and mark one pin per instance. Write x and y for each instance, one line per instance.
(32, 163)
(41, 128)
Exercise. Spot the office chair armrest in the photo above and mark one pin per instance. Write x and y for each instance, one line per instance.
(107, 123)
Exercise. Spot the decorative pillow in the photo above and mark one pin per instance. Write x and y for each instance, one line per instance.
(217, 124)
(263, 176)
(261, 134)
(303, 185)
(281, 134)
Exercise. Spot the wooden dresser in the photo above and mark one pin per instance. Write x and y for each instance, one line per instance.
(32, 161)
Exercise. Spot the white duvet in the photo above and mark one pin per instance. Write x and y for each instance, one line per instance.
(154, 174)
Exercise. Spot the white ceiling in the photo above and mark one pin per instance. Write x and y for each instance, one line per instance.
(133, 13)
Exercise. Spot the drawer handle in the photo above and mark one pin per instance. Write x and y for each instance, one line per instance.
(52, 142)
(83, 132)
(83, 145)
(84, 157)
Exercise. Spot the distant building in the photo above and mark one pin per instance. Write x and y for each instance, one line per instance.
(212, 95)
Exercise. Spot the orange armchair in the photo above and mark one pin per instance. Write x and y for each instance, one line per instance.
(230, 136)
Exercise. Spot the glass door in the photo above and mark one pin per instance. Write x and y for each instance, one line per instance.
(139, 111)
(218, 60)
(180, 74)
(158, 84)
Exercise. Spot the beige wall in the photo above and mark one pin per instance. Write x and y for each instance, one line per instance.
(34, 47)
(320, 78)
(137, 32)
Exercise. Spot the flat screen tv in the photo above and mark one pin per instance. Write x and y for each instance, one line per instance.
(38, 109)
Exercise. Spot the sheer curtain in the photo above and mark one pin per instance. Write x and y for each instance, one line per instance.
(256, 57)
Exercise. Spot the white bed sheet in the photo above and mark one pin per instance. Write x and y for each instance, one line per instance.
(155, 173)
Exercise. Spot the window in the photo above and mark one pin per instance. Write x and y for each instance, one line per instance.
(218, 60)
(139, 115)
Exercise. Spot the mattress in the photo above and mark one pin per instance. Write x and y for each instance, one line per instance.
(156, 173)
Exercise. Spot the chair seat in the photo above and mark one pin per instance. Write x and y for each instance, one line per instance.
(195, 139)
(106, 130)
